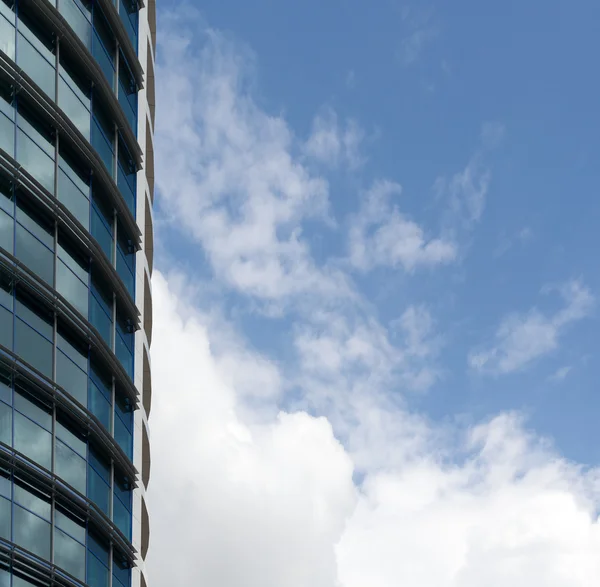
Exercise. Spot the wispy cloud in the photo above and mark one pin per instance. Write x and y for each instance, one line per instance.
(419, 29)
(523, 338)
(334, 143)
(561, 374)
(255, 452)
(381, 235)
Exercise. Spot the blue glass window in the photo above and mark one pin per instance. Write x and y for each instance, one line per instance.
(66, 521)
(129, 16)
(124, 424)
(33, 158)
(100, 393)
(103, 46)
(7, 230)
(79, 16)
(69, 554)
(126, 261)
(7, 134)
(5, 518)
(128, 94)
(33, 348)
(98, 482)
(121, 572)
(101, 311)
(31, 532)
(5, 424)
(36, 60)
(124, 345)
(70, 467)
(7, 35)
(126, 177)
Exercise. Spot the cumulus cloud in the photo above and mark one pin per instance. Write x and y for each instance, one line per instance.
(305, 467)
(522, 338)
(381, 235)
(273, 503)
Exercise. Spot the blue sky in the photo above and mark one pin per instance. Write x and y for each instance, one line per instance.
(376, 231)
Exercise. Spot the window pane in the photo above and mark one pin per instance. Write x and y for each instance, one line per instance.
(36, 66)
(32, 533)
(122, 518)
(102, 234)
(74, 291)
(123, 437)
(70, 467)
(5, 517)
(6, 328)
(32, 502)
(34, 410)
(73, 199)
(103, 147)
(65, 433)
(33, 441)
(7, 133)
(124, 355)
(35, 255)
(5, 424)
(4, 575)
(33, 349)
(7, 228)
(99, 548)
(97, 573)
(5, 387)
(76, 111)
(98, 490)
(100, 321)
(71, 378)
(38, 225)
(125, 274)
(99, 405)
(35, 161)
(121, 572)
(35, 315)
(69, 525)
(69, 554)
(7, 38)
(103, 60)
(125, 187)
(77, 20)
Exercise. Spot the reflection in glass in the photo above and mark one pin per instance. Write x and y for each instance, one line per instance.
(122, 518)
(97, 573)
(73, 199)
(34, 255)
(35, 161)
(33, 441)
(31, 532)
(7, 135)
(40, 507)
(69, 554)
(5, 518)
(33, 348)
(70, 467)
(99, 405)
(71, 287)
(7, 229)
(69, 525)
(71, 378)
(35, 411)
(34, 65)
(98, 490)
(77, 20)
(5, 424)
(73, 108)
(7, 38)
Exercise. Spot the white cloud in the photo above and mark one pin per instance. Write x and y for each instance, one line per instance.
(333, 143)
(381, 235)
(272, 504)
(244, 492)
(561, 374)
(522, 338)
(419, 30)
(226, 173)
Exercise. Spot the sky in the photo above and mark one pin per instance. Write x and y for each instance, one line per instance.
(376, 294)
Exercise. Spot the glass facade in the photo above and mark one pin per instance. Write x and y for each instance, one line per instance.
(69, 244)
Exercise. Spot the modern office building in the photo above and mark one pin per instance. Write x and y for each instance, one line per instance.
(76, 192)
